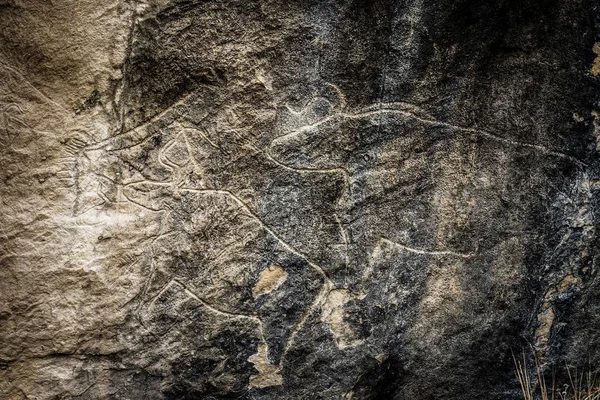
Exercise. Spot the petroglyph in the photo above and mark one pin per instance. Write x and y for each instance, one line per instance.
(10, 119)
(368, 146)
(291, 200)
(185, 158)
(329, 131)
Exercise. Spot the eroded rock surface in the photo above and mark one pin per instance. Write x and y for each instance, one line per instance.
(296, 199)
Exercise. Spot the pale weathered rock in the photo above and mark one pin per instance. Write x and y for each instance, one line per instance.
(296, 199)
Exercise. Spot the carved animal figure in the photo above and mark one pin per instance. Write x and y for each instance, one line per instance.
(389, 153)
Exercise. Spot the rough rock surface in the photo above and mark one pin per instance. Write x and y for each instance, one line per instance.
(310, 199)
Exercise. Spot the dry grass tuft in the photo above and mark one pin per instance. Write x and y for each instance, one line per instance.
(581, 386)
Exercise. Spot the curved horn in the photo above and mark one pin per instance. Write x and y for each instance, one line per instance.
(333, 94)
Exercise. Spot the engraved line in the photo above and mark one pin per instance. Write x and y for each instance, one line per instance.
(140, 204)
(113, 140)
(48, 99)
(427, 252)
(327, 284)
(214, 309)
(388, 107)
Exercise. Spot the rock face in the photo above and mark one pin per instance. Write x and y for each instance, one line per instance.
(296, 199)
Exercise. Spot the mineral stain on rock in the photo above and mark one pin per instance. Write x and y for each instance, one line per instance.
(292, 200)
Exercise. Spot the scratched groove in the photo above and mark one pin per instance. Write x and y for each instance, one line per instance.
(296, 200)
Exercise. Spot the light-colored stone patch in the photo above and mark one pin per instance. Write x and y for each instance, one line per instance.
(546, 316)
(333, 315)
(596, 66)
(596, 116)
(268, 375)
(542, 333)
(444, 293)
(269, 280)
(569, 282)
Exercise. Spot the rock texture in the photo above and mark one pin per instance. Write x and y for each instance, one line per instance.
(296, 199)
